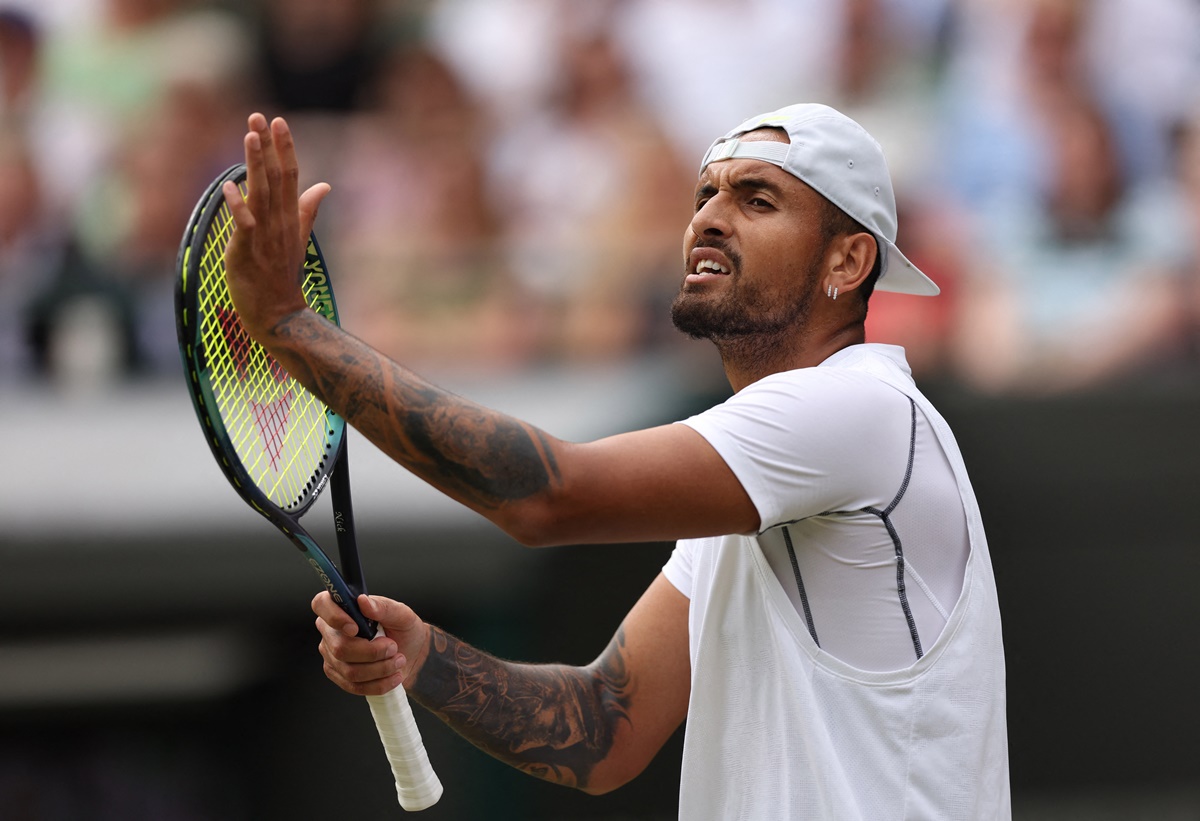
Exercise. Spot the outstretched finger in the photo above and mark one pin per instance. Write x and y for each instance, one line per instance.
(270, 160)
(289, 165)
(258, 189)
(243, 219)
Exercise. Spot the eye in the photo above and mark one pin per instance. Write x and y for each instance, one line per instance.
(759, 202)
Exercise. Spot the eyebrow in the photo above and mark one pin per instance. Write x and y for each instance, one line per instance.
(749, 182)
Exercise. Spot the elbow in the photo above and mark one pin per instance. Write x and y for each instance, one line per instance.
(603, 787)
(610, 774)
(534, 524)
(562, 514)
(592, 789)
(530, 538)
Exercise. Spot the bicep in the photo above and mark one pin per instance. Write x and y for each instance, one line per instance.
(647, 669)
(658, 484)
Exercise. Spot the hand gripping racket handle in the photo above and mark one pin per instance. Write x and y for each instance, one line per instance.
(417, 785)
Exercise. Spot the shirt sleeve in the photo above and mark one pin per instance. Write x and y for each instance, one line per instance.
(678, 568)
(811, 441)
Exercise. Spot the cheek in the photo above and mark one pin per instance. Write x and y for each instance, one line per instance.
(689, 239)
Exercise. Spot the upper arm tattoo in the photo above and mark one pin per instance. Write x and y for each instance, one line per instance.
(553, 721)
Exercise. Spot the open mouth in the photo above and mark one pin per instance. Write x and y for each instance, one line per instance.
(709, 266)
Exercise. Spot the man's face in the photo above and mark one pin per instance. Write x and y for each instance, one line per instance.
(752, 252)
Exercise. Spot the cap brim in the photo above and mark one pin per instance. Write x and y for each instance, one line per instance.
(902, 277)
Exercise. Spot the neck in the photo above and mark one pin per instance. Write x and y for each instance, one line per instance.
(747, 359)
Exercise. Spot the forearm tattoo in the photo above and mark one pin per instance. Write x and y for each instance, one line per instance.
(552, 721)
(483, 457)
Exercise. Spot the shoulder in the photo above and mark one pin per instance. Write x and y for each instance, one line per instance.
(825, 438)
(825, 416)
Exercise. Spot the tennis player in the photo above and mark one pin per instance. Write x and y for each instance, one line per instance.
(827, 623)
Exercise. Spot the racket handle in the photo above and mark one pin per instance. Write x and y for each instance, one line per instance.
(417, 785)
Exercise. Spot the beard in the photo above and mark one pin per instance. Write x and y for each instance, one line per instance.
(742, 313)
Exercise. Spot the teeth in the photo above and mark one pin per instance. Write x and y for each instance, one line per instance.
(709, 265)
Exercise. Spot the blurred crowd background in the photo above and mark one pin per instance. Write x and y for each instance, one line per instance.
(511, 178)
(511, 181)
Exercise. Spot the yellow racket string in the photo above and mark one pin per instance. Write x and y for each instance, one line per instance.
(277, 428)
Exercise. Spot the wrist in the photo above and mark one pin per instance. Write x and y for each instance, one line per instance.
(281, 323)
(422, 675)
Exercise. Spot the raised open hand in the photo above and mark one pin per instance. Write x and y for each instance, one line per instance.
(266, 252)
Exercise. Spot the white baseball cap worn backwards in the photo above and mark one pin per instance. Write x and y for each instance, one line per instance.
(836, 157)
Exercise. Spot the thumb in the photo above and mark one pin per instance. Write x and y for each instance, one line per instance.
(310, 203)
(391, 614)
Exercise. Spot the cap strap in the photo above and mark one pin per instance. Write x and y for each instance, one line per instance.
(765, 150)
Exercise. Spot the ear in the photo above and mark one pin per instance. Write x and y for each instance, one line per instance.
(852, 256)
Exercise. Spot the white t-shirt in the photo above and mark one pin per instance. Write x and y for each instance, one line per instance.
(861, 673)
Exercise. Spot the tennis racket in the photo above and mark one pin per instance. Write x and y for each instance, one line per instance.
(278, 445)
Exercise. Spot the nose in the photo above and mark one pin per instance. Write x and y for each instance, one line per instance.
(712, 220)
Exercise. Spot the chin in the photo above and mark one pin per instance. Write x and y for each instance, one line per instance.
(698, 318)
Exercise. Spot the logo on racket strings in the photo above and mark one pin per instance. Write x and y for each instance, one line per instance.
(271, 419)
(259, 372)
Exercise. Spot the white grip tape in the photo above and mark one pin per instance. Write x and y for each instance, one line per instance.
(417, 785)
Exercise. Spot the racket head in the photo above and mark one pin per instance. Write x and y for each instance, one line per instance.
(274, 441)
